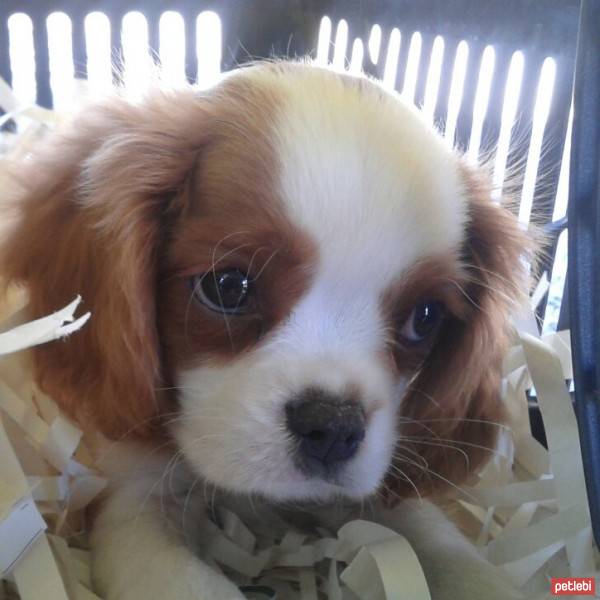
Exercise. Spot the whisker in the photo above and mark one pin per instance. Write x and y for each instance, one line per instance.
(444, 479)
(460, 450)
(397, 469)
(457, 419)
(424, 394)
(479, 282)
(505, 280)
(415, 453)
(275, 252)
(464, 292)
(422, 440)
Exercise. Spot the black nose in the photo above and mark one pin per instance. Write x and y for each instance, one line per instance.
(329, 428)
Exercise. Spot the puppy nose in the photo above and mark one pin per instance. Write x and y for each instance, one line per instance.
(329, 428)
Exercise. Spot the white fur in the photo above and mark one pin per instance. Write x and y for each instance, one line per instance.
(140, 550)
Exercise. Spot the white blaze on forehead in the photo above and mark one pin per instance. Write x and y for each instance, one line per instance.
(363, 173)
(373, 185)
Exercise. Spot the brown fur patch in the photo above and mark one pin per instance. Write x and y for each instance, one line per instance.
(108, 211)
(440, 279)
(234, 218)
(452, 410)
(278, 260)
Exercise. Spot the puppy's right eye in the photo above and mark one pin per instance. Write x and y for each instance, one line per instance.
(228, 291)
(423, 321)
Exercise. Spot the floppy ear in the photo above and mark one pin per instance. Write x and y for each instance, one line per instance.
(452, 410)
(89, 220)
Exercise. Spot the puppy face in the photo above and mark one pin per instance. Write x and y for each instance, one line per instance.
(320, 285)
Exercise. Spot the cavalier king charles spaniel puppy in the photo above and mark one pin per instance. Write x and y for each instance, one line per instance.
(299, 297)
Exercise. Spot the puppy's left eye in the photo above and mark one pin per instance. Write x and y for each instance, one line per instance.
(423, 321)
(226, 291)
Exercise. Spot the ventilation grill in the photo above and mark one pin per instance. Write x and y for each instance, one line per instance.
(495, 108)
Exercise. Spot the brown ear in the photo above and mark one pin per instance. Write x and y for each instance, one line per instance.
(452, 411)
(89, 222)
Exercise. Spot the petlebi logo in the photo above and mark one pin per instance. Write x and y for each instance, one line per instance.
(573, 586)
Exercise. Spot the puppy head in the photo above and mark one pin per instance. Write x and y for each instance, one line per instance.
(290, 274)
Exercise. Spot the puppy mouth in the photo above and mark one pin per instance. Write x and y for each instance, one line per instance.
(312, 469)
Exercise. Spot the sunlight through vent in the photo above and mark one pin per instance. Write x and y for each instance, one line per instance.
(137, 61)
(412, 67)
(562, 190)
(324, 42)
(512, 92)
(390, 71)
(356, 62)
(340, 45)
(482, 97)
(456, 90)
(97, 44)
(208, 46)
(60, 49)
(543, 101)
(433, 77)
(22, 57)
(171, 44)
(375, 43)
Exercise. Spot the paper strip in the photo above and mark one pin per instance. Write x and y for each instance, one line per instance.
(8, 100)
(513, 545)
(308, 585)
(18, 531)
(37, 575)
(14, 482)
(49, 489)
(513, 494)
(561, 431)
(56, 442)
(43, 330)
(385, 570)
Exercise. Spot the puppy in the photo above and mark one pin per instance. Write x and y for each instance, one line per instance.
(299, 294)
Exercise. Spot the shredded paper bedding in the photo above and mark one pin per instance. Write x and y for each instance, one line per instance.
(527, 513)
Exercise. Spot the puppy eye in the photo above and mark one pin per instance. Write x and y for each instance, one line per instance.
(226, 291)
(423, 321)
